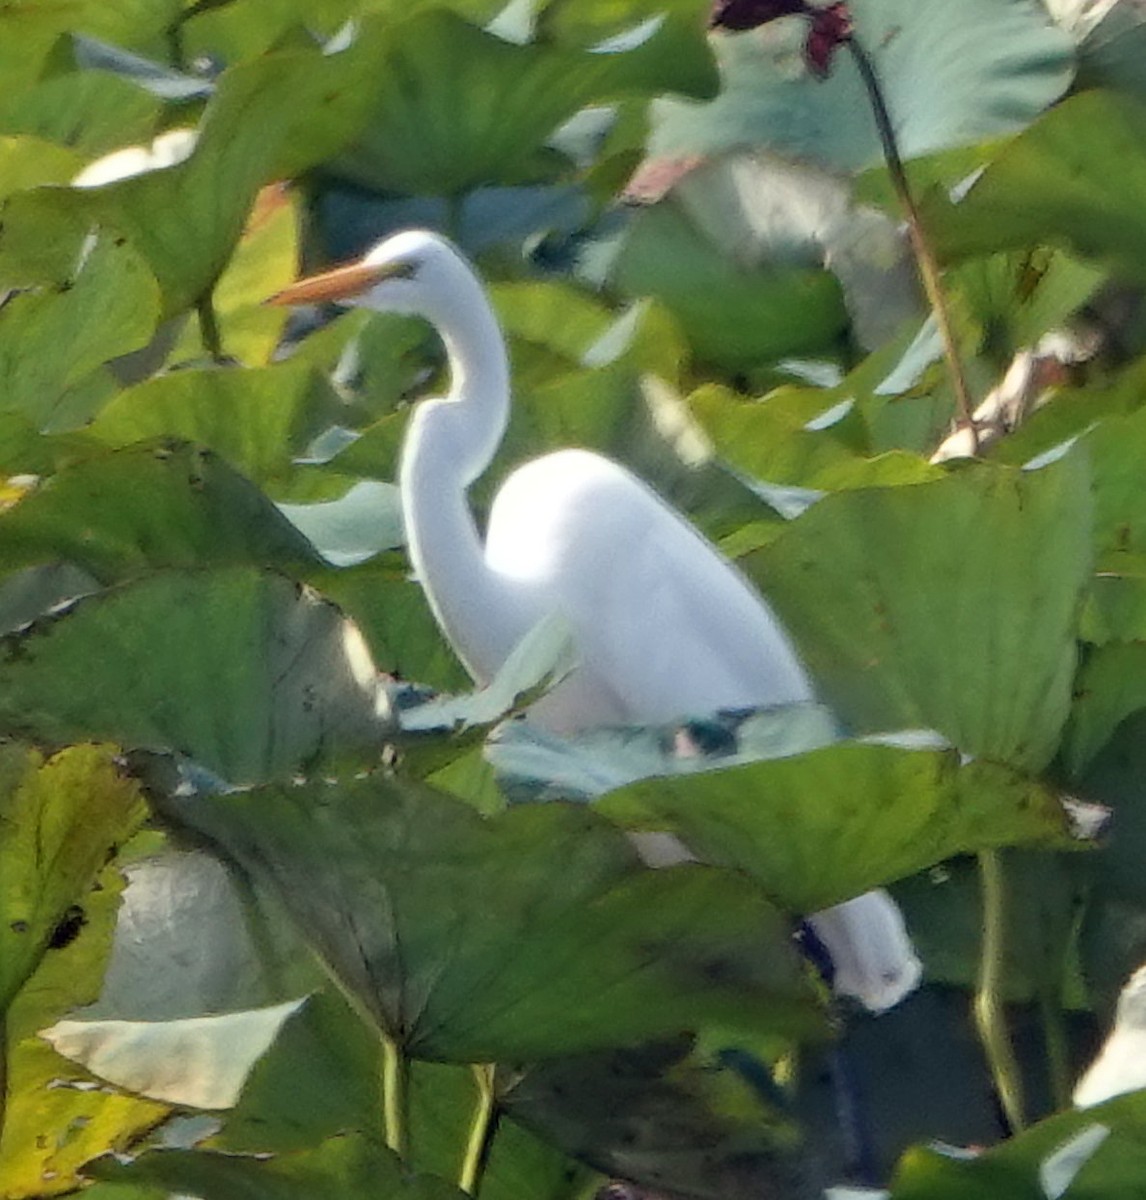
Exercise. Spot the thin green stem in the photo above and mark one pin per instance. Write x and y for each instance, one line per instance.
(925, 260)
(483, 1129)
(990, 1016)
(396, 1098)
(1055, 1042)
(209, 327)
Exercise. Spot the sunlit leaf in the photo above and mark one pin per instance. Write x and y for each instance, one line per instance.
(819, 828)
(61, 817)
(947, 605)
(259, 421)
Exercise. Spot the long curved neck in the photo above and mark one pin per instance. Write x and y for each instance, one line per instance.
(449, 443)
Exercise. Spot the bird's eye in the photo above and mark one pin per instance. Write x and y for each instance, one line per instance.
(401, 270)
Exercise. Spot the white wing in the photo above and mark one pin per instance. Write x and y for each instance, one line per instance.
(666, 627)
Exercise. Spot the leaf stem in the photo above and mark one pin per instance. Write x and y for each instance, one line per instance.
(396, 1097)
(989, 1014)
(209, 328)
(483, 1129)
(925, 260)
(1055, 1043)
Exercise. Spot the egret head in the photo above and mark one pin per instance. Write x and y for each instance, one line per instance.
(414, 272)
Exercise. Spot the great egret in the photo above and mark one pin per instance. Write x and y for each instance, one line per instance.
(664, 626)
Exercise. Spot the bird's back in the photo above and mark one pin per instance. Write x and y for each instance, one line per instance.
(665, 626)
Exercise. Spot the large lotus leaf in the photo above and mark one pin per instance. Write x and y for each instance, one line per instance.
(951, 74)
(276, 116)
(1076, 176)
(245, 672)
(816, 829)
(454, 106)
(51, 339)
(258, 420)
(665, 1119)
(61, 817)
(343, 1168)
(948, 605)
(734, 316)
(145, 507)
(1090, 1154)
(46, 1092)
(529, 935)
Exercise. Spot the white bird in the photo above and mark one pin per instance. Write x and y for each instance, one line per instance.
(664, 626)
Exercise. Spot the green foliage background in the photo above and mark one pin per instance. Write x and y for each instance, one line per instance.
(202, 574)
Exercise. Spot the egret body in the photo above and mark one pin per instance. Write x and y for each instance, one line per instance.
(664, 626)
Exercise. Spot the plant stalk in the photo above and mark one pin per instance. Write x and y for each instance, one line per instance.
(209, 328)
(483, 1129)
(990, 1016)
(1055, 1043)
(396, 1098)
(925, 260)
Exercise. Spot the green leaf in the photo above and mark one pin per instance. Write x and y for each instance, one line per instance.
(343, 1168)
(1047, 186)
(51, 340)
(949, 605)
(144, 508)
(60, 818)
(532, 934)
(951, 74)
(732, 316)
(819, 828)
(259, 421)
(453, 106)
(247, 673)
